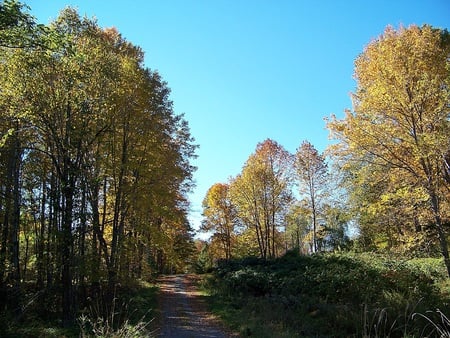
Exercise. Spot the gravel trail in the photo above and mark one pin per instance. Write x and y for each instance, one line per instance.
(183, 312)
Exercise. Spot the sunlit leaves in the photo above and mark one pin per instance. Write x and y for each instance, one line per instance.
(312, 176)
(18, 28)
(399, 125)
(220, 217)
(262, 193)
(107, 159)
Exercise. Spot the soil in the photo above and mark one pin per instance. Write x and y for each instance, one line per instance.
(184, 312)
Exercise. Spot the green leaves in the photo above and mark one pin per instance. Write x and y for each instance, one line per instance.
(18, 28)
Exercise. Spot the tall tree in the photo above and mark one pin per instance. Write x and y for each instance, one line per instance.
(261, 194)
(312, 175)
(103, 165)
(18, 30)
(220, 216)
(400, 119)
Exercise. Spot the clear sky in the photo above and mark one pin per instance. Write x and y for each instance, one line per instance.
(243, 71)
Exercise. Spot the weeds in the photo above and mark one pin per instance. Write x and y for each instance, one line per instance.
(113, 320)
(100, 327)
(127, 315)
(343, 295)
(376, 325)
(438, 324)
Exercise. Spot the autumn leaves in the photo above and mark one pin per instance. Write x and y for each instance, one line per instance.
(101, 165)
(391, 156)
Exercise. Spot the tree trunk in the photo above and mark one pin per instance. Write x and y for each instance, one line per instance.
(66, 250)
(314, 228)
(12, 219)
(40, 235)
(434, 200)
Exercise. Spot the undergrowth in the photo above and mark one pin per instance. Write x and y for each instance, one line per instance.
(332, 295)
(130, 315)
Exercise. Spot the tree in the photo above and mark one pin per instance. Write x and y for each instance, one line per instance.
(220, 216)
(312, 175)
(95, 167)
(297, 224)
(261, 194)
(334, 227)
(18, 28)
(400, 119)
(392, 214)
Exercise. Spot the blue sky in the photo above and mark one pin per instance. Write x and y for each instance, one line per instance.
(243, 71)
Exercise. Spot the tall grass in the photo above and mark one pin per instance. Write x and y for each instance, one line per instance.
(438, 324)
(129, 315)
(99, 327)
(118, 318)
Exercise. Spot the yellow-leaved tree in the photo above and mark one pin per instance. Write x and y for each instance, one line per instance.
(400, 119)
(262, 194)
(220, 217)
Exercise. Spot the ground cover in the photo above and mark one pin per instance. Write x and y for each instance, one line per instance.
(131, 315)
(332, 295)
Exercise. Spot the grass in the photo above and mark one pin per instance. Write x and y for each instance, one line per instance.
(331, 295)
(131, 315)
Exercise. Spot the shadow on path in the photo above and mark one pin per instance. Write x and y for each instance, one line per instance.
(183, 312)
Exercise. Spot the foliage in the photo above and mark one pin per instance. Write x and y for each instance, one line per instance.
(329, 294)
(204, 262)
(297, 228)
(220, 217)
(257, 210)
(121, 321)
(18, 28)
(94, 167)
(312, 175)
(396, 139)
(132, 315)
(261, 194)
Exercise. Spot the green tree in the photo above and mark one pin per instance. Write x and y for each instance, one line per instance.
(400, 119)
(19, 29)
(334, 227)
(297, 227)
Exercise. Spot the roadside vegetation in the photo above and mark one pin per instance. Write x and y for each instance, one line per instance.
(332, 295)
(133, 313)
(95, 169)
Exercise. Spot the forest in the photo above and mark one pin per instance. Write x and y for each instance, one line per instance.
(96, 168)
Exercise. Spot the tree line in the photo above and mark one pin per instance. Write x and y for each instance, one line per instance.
(386, 176)
(94, 165)
(280, 201)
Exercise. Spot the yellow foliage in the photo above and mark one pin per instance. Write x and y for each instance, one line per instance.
(396, 138)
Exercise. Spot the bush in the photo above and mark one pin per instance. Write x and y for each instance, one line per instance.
(331, 294)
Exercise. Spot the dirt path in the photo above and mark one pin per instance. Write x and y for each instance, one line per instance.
(183, 312)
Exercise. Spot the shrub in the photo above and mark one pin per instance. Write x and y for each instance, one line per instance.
(332, 294)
